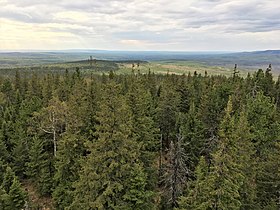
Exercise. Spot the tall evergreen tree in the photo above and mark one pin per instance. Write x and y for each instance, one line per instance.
(225, 173)
(17, 195)
(40, 166)
(193, 132)
(8, 179)
(144, 128)
(70, 150)
(246, 159)
(112, 176)
(198, 192)
(175, 173)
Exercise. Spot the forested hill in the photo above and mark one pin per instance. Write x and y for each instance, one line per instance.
(245, 60)
(139, 141)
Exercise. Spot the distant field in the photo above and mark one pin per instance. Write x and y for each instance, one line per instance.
(121, 62)
(180, 67)
(99, 67)
(125, 67)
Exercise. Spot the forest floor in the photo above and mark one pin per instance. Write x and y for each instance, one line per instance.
(38, 202)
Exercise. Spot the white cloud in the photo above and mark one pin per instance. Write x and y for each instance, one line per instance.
(140, 25)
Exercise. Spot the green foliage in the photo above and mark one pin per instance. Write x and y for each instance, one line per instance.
(175, 173)
(198, 193)
(8, 179)
(166, 116)
(229, 182)
(246, 160)
(193, 131)
(4, 199)
(225, 177)
(17, 195)
(70, 150)
(144, 128)
(139, 141)
(40, 168)
(268, 178)
(12, 195)
(112, 176)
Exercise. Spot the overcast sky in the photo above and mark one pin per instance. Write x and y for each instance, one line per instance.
(188, 25)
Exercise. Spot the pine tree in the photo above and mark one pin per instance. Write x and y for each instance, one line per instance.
(230, 182)
(47, 89)
(76, 108)
(263, 122)
(34, 88)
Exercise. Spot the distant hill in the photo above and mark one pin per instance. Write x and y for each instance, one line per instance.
(244, 60)
(266, 52)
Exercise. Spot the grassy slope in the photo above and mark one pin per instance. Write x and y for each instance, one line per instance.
(160, 62)
(179, 67)
(125, 67)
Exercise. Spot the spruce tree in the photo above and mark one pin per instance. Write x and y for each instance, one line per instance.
(144, 128)
(40, 166)
(4, 199)
(262, 117)
(225, 173)
(246, 159)
(198, 192)
(268, 179)
(20, 151)
(17, 195)
(67, 164)
(225, 178)
(193, 132)
(3, 151)
(112, 176)
(175, 173)
(8, 179)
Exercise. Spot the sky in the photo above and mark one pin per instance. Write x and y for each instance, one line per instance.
(163, 25)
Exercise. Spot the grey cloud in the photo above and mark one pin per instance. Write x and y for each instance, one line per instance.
(196, 15)
(149, 36)
(155, 21)
(238, 16)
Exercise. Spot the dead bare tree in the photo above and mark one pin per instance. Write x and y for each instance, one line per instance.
(176, 172)
(52, 120)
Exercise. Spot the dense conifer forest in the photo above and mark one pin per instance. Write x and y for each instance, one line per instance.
(139, 141)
